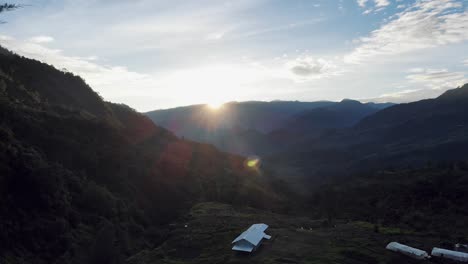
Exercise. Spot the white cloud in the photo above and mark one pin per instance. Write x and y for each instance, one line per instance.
(111, 81)
(430, 82)
(306, 67)
(405, 96)
(285, 27)
(423, 84)
(440, 79)
(381, 3)
(426, 24)
(149, 91)
(362, 3)
(416, 70)
(378, 4)
(41, 39)
(465, 62)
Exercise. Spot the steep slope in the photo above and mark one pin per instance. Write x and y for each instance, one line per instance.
(429, 198)
(433, 129)
(86, 181)
(399, 136)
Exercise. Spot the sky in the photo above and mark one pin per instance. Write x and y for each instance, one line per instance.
(155, 54)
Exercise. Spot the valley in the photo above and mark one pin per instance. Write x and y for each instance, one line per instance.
(336, 181)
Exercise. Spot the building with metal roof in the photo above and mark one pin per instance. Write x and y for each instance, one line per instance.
(450, 254)
(408, 251)
(251, 238)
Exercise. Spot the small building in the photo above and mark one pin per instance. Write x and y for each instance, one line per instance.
(251, 238)
(450, 254)
(408, 251)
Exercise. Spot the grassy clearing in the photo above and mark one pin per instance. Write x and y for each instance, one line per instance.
(205, 235)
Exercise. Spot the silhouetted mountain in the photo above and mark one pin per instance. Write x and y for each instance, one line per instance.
(260, 116)
(260, 127)
(235, 127)
(427, 124)
(402, 135)
(86, 181)
(312, 123)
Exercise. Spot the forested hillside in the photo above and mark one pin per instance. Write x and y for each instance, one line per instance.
(401, 136)
(428, 199)
(86, 181)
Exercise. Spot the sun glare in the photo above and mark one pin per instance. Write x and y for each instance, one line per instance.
(215, 105)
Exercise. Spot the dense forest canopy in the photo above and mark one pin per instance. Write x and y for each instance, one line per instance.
(98, 178)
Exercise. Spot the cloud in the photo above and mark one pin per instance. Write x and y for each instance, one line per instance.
(406, 96)
(378, 4)
(307, 67)
(149, 91)
(284, 27)
(434, 81)
(110, 81)
(437, 78)
(465, 62)
(41, 39)
(425, 24)
(362, 3)
(381, 3)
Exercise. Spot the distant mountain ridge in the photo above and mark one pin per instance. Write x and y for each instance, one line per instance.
(412, 134)
(316, 121)
(260, 127)
(257, 115)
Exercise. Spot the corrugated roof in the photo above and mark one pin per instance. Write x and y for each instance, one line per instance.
(244, 248)
(253, 235)
(409, 251)
(450, 254)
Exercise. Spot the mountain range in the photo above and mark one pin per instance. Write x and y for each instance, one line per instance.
(258, 128)
(412, 134)
(83, 180)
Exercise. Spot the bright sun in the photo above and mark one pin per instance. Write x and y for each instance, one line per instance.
(215, 105)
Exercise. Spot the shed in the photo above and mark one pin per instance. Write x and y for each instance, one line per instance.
(408, 251)
(251, 238)
(450, 254)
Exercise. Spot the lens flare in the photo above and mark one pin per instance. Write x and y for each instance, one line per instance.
(253, 162)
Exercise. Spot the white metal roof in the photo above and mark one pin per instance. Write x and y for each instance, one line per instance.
(450, 254)
(247, 247)
(406, 250)
(253, 235)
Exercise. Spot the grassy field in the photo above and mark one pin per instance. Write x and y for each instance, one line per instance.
(205, 236)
